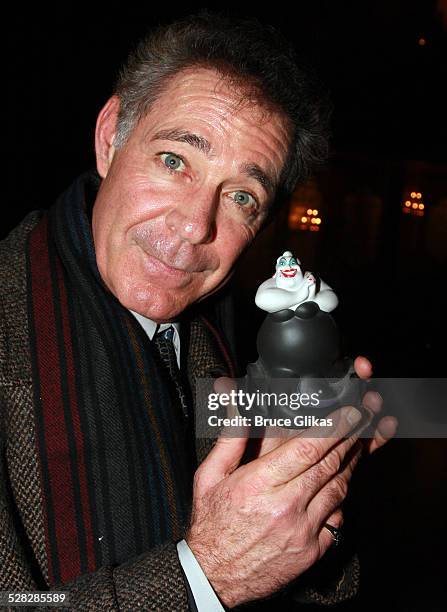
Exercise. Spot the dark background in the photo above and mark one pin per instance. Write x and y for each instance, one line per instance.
(388, 268)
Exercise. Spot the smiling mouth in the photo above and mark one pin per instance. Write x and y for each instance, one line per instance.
(165, 269)
(155, 265)
(288, 273)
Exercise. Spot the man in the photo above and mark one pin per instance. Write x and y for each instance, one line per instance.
(211, 125)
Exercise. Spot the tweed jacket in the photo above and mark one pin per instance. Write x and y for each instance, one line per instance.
(151, 581)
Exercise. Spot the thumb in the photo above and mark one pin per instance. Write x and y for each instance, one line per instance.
(230, 446)
(223, 459)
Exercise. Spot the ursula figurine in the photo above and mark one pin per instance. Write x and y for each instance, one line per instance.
(289, 288)
(298, 342)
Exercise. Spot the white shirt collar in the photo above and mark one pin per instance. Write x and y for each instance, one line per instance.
(151, 328)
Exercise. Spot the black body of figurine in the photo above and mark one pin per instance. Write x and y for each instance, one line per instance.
(299, 352)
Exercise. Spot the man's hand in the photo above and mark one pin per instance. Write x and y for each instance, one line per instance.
(257, 526)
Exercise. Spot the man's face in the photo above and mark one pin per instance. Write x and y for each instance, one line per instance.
(186, 194)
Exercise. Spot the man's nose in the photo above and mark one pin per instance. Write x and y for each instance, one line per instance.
(194, 220)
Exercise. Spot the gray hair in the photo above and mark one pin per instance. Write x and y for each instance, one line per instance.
(255, 57)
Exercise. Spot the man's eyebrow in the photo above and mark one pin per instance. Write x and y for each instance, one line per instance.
(202, 144)
(179, 135)
(256, 172)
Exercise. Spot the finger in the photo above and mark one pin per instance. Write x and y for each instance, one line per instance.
(335, 490)
(298, 454)
(372, 401)
(363, 367)
(326, 539)
(276, 436)
(386, 429)
(307, 485)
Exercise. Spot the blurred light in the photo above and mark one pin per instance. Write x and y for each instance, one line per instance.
(318, 220)
(413, 194)
(309, 211)
(421, 206)
(303, 219)
(408, 203)
(414, 205)
(419, 195)
(315, 211)
(421, 42)
(312, 220)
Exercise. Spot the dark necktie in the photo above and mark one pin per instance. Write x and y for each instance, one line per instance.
(163, 341)
(165, 346)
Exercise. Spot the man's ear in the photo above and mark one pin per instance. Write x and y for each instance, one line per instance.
(105, 134)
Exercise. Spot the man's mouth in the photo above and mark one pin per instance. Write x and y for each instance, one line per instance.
(185, 263)
(290, 273)
(165, 269)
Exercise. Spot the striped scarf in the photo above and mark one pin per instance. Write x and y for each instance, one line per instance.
(115, 454)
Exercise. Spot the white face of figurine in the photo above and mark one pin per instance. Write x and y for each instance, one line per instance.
(288, 272)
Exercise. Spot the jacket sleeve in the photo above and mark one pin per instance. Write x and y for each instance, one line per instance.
(151, 581)
(333, 579)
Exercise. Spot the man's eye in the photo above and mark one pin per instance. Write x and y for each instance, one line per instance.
(172, 161)
(282, 262)
(293, 262)
(243, 198)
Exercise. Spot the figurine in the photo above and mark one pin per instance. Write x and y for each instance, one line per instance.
(298, 342)
(299, 337)
(289, 288)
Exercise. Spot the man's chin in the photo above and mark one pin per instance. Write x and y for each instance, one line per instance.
(158, 300)
(155, 303)
(158, 315)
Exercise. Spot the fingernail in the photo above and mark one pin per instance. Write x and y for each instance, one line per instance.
(354, 416)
